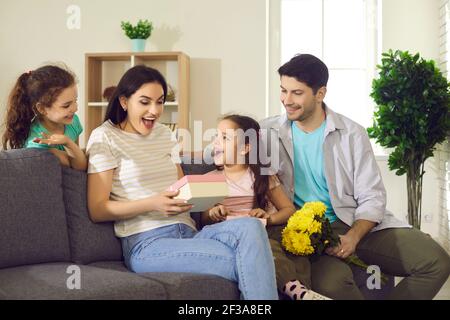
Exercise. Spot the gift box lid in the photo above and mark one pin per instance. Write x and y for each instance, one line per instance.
(204, 178)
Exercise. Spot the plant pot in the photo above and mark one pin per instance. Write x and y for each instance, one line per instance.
(138, 45)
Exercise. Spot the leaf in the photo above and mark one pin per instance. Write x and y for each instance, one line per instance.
(412, 107)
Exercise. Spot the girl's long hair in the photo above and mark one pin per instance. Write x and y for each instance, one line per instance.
(261, 184)
(42, 86)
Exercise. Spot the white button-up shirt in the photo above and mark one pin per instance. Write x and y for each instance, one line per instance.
(353, 177)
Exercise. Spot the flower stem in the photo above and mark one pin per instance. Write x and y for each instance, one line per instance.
(354, 259)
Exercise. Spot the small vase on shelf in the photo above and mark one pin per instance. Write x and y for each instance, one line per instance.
(138, 45)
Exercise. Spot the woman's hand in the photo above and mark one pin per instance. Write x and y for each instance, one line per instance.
(164, 202)
(54, 139)
(258, 213)
(218, 213)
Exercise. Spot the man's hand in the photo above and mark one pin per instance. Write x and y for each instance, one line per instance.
(346, 248)
(350, 240)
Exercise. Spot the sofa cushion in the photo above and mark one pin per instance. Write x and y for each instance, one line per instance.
(89, 242)
(189, 286)
(112, 265)
(58, 281)
(184, 286)
(33, 225)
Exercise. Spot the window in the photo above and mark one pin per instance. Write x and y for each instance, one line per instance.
(443, 154)
(344, 34)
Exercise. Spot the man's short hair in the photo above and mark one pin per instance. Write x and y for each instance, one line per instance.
(308, 69)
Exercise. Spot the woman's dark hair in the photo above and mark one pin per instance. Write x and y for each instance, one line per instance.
(308, 69)
(261, 184)
(130, 82)
(42, 86)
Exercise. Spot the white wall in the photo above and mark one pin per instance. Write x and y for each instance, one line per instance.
(225, 40)
(412, 25)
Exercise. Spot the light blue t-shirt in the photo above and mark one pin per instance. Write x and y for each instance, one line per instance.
(309, 178)
(72, 131)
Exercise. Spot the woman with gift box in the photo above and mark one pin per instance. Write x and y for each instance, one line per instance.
(130, 167)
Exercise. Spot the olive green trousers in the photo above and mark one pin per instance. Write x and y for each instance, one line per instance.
(408, 253)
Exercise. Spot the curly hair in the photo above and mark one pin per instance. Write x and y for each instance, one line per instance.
(41, 86)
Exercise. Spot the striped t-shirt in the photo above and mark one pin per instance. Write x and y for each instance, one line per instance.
(143, 166)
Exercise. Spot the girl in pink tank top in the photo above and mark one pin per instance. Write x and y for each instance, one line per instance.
(255, 193)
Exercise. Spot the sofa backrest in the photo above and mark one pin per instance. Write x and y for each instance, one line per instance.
(89, 242)
(33, 226)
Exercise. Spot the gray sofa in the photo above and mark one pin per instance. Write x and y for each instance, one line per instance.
(45, 231)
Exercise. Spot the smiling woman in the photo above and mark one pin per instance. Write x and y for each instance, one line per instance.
(131, 166)
(138, 100)
(144, 108)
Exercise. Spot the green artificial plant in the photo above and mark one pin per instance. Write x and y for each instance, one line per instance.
(412, 117)
(142, 30)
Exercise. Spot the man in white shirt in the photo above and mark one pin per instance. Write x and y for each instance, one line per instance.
(328, 157)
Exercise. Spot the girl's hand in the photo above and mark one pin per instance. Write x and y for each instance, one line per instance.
(164, 202)
(258, 213)
(62, 156)
(54, 139)
(218, 213)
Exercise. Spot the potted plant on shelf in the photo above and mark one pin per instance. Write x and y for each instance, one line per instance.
(138, 34)
(412, 116)
(170, 94)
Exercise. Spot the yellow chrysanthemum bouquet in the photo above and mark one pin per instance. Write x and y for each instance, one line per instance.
(308, 233)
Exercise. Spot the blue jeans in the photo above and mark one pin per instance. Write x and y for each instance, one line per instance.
(237, 250)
